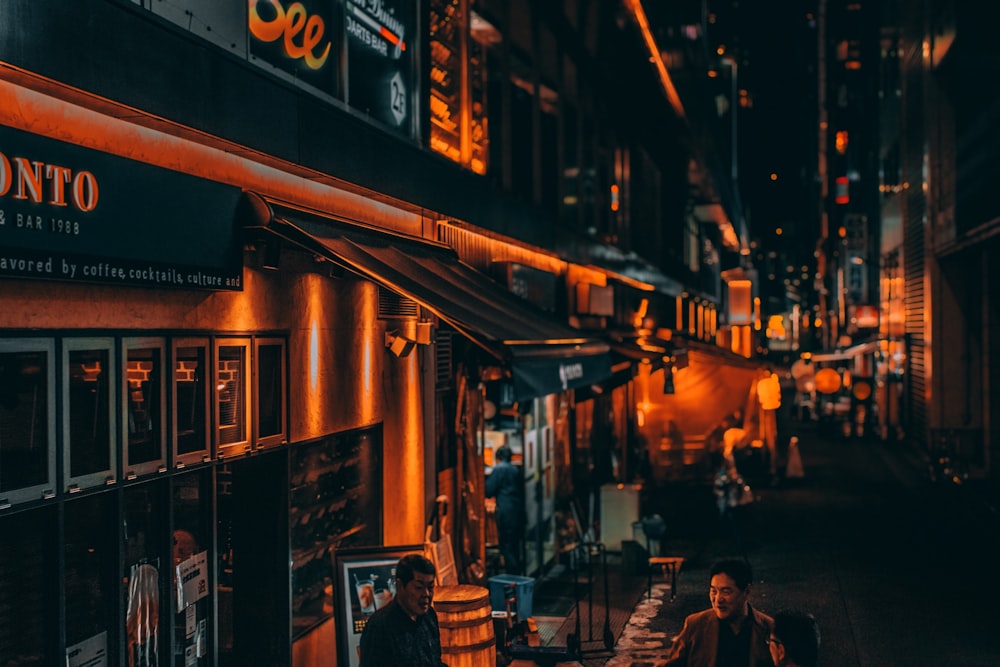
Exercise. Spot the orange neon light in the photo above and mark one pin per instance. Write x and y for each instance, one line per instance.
(639, 15)
(75, 116)
(393, 38)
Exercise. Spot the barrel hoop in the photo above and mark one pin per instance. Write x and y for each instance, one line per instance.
(467, 623)
(446, 605)
(456, 650)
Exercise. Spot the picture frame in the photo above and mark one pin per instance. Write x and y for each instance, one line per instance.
(363, 576)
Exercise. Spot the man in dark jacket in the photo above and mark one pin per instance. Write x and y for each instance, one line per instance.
(731, 633)
(405, 631)
(507, 486)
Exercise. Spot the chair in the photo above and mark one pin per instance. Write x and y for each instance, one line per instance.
(654, 527)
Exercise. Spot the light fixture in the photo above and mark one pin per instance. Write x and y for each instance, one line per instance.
(270, 254)
(398, 345)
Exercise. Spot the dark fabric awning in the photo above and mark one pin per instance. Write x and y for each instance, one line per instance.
(545, 356)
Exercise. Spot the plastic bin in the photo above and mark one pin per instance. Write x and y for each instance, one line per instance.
(524, 587)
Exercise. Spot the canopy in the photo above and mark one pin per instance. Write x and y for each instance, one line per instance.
(545, 356)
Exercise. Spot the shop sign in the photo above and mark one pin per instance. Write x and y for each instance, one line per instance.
(74, 214)
(192, 579)
(540, 377)
(531, 284)
(297, 37)
(358, 51)
(379, 59)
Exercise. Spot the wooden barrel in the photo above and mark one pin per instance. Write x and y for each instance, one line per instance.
(466, 621)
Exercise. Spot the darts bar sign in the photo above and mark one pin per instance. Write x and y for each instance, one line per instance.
(74, 214)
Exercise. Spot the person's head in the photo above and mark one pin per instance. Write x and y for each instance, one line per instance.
(415, 584)
(729, 588)
(185, 545)
(504, 454)
(794, 639)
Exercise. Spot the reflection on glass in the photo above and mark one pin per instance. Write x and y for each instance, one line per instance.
(143, 525)
(191, 536)
(231, 394)
(270, 420)
(24, 450)
(89, 416)
(91, 559)
(144, 401)
(28, 617)
(189, 407)
(336, 502)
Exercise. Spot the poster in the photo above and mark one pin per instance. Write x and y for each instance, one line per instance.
(365, 583)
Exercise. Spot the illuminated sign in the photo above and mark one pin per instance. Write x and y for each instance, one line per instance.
(357, 51)
(299, 38)
(74, 214)
(301, 34)
(379, 59)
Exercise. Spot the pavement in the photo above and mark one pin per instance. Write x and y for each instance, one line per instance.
(897, 569)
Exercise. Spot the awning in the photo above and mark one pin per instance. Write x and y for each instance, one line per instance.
(544, 355)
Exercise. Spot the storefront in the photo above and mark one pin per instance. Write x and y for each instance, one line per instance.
(513, 357)
(194, 423)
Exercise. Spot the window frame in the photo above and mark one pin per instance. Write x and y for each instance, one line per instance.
(245, 445)
(74, 484)
(158, 465)
(280, 438)
(46, 489)
(204, 454)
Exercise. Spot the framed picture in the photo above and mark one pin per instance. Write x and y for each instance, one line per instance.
(366, 581)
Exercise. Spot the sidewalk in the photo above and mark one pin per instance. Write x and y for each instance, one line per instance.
(864, 542)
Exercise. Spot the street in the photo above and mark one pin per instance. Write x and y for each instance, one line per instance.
(896, 570)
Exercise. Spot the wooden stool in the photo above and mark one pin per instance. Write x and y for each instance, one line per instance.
(662, 564)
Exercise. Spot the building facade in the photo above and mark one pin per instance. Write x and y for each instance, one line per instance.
(264, 277)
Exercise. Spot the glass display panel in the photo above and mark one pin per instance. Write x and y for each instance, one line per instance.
(336, 498)
(144, 405)
(190, 401)
(143, 574)
(192, 535)
(231, 389)
(91, 557)
(29, 620)
(270, 392)
(89, 399)
(27, 420)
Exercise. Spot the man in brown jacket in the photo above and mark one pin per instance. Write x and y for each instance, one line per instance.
(731, 633)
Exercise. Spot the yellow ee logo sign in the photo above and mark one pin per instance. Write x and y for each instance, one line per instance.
(289, 24)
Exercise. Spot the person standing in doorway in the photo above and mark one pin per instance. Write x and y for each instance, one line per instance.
(506, 485)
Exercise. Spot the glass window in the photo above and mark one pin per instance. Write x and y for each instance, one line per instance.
(192, 504)
(143, 407)
(88, 402)
(270, 391)
(335, 488)
(91, 556)
(144, 567)
(29, 622)
(190, 401)
(27, 420)
(231, 390)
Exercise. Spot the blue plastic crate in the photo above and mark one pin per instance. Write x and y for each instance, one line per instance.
(524, 588)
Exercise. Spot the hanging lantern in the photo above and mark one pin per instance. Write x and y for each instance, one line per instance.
(827, 381)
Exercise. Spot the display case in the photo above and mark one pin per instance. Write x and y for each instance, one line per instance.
(335, 492)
